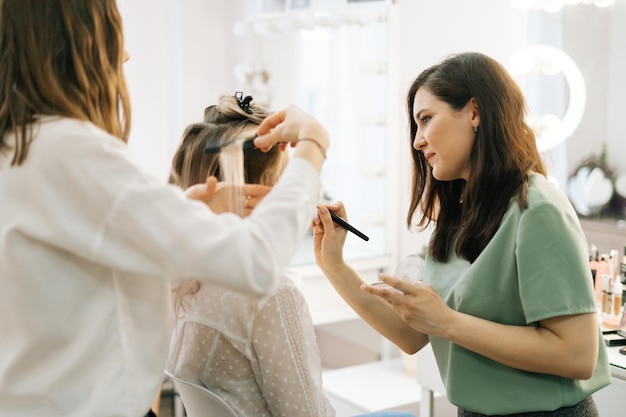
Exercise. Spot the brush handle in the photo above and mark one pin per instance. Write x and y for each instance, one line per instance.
(341, 222)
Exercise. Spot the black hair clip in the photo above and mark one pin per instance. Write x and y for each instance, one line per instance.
(247, 144)
(244, 102)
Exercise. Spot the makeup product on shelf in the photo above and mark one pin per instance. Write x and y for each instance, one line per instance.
(593, 263)
(602, 269)
(618, 289)
(606, 300)
(615, 264)
(616, 337)
(623, 266)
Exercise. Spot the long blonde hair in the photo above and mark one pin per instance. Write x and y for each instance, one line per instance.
(63, 58)
(222, 125)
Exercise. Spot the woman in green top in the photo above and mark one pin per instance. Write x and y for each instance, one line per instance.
(506, 299)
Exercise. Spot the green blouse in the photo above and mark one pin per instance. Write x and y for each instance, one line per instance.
(535, 267)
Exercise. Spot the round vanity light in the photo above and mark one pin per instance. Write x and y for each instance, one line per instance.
(551, 131)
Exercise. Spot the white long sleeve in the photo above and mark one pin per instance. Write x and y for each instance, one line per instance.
(88, 242)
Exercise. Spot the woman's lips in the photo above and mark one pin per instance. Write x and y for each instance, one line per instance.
(429, 157)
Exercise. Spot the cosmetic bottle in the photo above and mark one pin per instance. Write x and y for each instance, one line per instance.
(623, 266)
(615, 264)
(601, 270)
(593, 263)
(605, 303)
(618, 289)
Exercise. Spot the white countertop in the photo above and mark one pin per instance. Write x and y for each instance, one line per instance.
(617, 361)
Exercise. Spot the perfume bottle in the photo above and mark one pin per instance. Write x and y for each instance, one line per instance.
(602, 269)
(623, 267)
(618, 290)
(593, 263)
(615, 265)
(607, 290)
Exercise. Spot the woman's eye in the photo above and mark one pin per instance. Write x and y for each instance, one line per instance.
(425, 119)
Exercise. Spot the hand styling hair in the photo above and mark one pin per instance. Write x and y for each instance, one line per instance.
(224, 123)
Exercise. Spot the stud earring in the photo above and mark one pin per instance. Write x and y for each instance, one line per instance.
(475, 129)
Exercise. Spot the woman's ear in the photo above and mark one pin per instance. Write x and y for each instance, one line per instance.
(474, 113)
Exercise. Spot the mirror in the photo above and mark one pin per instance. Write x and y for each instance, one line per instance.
(186, 56)
(332, 61)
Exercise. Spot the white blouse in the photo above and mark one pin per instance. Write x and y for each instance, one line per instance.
(261, 357)
(88, 242)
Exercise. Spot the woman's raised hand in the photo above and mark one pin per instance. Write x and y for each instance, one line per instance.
(329, 237)
(299, 129)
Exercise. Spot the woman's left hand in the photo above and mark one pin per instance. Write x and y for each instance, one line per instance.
(554, 346)
(418, 304)
(218, 196)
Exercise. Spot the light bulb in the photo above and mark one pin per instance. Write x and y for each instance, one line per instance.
(552, 6)
(603, 3)
(522, 62)
(523, 4)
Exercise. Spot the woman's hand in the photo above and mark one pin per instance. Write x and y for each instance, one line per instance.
(418, 304)
(554, 346)
(328, 237)
(298, 128)
(218, 196)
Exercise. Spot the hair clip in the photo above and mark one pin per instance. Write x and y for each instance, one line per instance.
(244, 102)
(247, 144)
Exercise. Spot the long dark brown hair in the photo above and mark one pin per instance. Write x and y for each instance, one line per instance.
(63, 58)
(468, 214)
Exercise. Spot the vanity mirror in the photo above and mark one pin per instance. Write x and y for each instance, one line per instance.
(590, 37)
(330, 58)
(590, 190)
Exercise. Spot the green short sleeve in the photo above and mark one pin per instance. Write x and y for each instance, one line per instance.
(552, 263)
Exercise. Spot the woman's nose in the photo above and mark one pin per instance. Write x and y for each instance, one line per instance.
(419, 142)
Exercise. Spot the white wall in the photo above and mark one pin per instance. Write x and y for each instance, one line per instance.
(616, 91)
(587, 39)
(182, 57)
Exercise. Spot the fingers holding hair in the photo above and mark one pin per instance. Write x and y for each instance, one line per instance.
(289, 126)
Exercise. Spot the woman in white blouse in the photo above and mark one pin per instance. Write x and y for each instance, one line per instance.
(260, 356)
(89, 240)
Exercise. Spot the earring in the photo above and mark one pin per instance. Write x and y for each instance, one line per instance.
(475, 129)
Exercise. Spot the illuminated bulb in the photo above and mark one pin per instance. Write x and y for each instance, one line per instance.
(603, 3)
(549, 129)
(240, 29)
(261, 27)
(550, 123)
(552, 6)
(284, 25)
(523, 4)
(307, 21)
(522, 62)
(550, 66)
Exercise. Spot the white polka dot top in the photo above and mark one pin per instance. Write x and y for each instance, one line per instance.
(261, 356)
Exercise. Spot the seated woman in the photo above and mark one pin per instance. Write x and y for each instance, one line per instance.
(261, 357)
